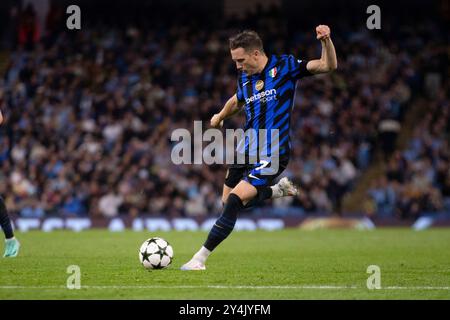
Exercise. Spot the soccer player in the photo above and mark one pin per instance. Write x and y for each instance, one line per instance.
(265, 88)
(11, 243)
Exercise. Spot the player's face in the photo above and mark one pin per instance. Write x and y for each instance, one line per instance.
(246, 61)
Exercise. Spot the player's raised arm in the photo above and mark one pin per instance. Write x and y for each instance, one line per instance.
(1, 117)
(231, 107)
(328, 60)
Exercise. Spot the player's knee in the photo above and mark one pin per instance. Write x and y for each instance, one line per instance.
(224, 199)
(245, 191)
(225, 193)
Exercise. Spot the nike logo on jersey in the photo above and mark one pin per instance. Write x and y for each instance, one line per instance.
(252, 176)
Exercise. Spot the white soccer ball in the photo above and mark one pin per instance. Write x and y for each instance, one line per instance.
(155, 253)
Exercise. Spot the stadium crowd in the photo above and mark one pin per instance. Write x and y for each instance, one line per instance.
(417, 179)
(90, 114)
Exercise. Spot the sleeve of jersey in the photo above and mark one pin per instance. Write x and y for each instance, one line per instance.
(298, 68)
(239, 93)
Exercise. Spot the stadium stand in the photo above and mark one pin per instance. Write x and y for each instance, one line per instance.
(90, 115)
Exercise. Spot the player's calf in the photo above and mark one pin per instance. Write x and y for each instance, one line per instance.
(219, 232)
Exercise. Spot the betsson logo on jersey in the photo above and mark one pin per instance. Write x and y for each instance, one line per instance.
(265, 96)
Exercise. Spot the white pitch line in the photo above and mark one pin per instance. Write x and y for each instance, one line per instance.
(416, 288)
(316, 287)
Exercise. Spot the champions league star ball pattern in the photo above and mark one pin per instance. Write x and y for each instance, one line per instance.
(155, 253)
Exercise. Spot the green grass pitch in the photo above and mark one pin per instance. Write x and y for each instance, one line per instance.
(288, 264)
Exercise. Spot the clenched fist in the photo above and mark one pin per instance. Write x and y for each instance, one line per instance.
(323, 32)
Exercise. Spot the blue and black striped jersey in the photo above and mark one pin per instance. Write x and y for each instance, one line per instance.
(269, 98)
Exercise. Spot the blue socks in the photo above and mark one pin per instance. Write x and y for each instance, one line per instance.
(5, 222)
(225, 224)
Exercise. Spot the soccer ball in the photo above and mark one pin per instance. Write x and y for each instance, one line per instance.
(155, 253)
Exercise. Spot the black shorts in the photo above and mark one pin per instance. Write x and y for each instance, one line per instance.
(259, 175)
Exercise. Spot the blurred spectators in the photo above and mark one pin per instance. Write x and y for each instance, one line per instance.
(32, 209)
(417, 179)
(89, 116)
(28, 33)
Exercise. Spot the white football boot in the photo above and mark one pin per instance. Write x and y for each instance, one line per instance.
(193, 264)
(287, 187)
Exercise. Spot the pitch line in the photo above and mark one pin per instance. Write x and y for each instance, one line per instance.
(292, 287)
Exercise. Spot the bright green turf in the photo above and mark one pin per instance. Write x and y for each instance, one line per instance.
(284, 258)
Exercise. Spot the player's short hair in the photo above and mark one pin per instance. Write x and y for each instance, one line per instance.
(248, 40)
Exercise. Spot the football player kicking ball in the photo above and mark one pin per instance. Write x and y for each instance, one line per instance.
(265, 88)
(12, 245)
